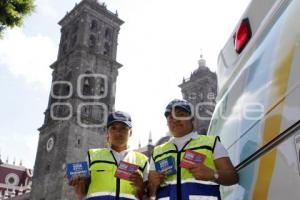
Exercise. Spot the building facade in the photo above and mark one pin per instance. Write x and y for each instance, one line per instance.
(200, 89)
(82, 94)
(15, 181)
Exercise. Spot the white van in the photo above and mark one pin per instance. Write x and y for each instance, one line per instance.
(258, 110)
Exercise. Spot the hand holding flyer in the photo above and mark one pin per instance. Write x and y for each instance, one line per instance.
(166, 165)
(125, 169)
(77, 169)
(191, 157)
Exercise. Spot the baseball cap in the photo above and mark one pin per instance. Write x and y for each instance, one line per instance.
(178, 103)
(119, 116)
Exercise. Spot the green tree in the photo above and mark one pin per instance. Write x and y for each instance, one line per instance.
(12, 12)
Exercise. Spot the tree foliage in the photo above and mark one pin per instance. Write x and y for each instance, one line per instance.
(12, 12)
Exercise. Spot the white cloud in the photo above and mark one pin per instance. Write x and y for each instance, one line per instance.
(28, 56)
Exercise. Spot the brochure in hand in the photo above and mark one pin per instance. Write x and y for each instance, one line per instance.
(166, 165)
(125, 169)
(77, 169)
(191, 157)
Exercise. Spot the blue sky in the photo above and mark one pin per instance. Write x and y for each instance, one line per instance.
(159, 44)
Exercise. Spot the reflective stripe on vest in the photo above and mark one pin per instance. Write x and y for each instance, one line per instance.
(103, 166)
(107, 196)
(183, 184)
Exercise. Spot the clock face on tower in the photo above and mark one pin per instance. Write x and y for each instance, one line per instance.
(50, 144)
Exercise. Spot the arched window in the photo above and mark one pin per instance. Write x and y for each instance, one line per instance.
(102, 87)
(88, 85)
(65, 90)
(59, 110)
(108, 33)
(99, 86)
(98, 114)
(94, 25)
(106, 49)
(92, 41)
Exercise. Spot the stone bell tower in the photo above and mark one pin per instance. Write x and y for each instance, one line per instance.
(82, 93)
(201, 90)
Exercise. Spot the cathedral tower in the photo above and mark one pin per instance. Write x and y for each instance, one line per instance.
(82, 93)
(201, 90)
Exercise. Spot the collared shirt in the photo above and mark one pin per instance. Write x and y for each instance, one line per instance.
(219, 151)
(121, 155)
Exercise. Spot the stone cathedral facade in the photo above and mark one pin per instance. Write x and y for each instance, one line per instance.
(82, 93)
(200, 89)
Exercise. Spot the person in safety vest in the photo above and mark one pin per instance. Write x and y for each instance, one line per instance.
(201, 162)
(103, 163)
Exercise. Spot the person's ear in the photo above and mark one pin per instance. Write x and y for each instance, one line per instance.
(130, 132)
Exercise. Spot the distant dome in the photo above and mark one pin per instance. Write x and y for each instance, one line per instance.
(200, 72)
(202, 69)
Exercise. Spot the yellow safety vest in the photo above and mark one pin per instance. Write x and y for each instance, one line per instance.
(104, 185)
(183, 185)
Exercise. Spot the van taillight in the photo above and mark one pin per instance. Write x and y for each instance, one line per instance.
(242, 36)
